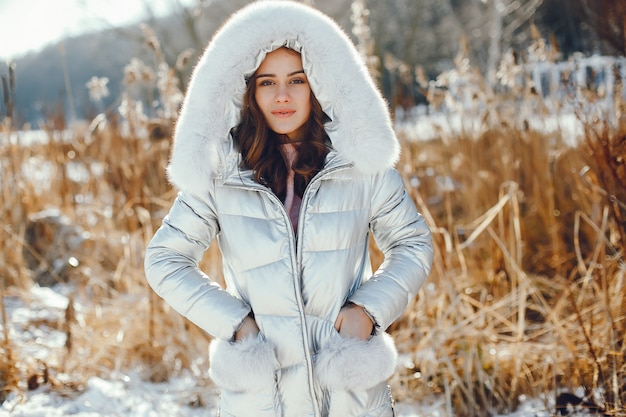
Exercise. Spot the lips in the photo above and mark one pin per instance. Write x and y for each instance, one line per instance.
(283, 113)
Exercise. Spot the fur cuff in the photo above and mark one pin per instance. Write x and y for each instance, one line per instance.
(353, 364)
(244, 366)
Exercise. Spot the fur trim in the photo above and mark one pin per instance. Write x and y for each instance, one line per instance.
(360, 127)
(353, 364)
(244, 366)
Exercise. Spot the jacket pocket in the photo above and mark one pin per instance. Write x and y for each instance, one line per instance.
(248, 404)
(245, 366)
(354, 364)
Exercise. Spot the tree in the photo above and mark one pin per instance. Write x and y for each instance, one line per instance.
(607, 18)
(504, 18)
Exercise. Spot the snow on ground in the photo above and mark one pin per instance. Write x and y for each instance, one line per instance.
(122, 394)
(418, 123)
(133, 397)
(127, 394)
(112, 399)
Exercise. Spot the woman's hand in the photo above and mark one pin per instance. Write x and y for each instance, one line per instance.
(247, 329)
(353, 321)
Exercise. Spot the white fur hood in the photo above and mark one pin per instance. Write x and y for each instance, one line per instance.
(360, 128)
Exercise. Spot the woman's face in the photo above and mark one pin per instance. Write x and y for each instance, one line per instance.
(283, 93)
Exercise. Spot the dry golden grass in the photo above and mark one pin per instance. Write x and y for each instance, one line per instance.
(526, 295)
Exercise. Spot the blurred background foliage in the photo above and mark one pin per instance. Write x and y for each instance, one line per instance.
(415, 38)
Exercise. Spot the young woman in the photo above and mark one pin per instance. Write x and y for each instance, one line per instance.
(284, 152)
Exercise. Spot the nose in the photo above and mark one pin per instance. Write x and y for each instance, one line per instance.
(282, 94)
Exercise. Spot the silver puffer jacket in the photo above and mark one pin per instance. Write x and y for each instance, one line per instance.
(294, 283)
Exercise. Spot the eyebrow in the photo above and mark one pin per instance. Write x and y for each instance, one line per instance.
(288, 75)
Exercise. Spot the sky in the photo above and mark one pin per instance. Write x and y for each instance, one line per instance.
(30, 25)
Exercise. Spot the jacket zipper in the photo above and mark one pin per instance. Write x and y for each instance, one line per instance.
(308, 355)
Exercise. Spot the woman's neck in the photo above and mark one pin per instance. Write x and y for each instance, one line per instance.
(290, 152)
(285, 138)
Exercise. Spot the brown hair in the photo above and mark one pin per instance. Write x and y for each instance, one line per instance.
(259, 146)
